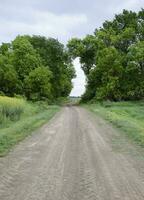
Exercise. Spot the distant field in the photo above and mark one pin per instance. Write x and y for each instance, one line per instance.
(127, 116)
(74, 100)
(18, 119)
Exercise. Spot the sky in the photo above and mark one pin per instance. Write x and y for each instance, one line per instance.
(61, 19)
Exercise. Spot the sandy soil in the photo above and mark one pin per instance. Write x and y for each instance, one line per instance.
(76, 156)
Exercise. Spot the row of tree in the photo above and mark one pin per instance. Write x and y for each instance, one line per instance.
(36, 67)
(113, 58)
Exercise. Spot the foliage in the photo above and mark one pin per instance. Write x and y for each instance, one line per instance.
(38, 84)
(113, 58)
(24, 57)
(85, 49)
(8, 75)
(55, 57)
(36, 67)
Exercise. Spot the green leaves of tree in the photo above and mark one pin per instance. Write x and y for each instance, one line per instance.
(37, 84)
(37, 67)
(113, 58)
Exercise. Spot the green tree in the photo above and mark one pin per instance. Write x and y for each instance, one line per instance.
(8, 74)
(37, 67)
(85, 49)
(37, 84)
(55, 56)
(112, 58)
(25, 58)
(104, 80)
(134, 71)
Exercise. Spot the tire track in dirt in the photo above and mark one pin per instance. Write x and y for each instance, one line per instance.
(72, 158)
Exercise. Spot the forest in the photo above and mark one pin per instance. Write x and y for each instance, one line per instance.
(113, 58)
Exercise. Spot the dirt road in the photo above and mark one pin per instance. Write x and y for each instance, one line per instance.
(74, 157)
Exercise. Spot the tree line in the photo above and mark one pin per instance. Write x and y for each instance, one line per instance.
(113, 58)
(36, 67)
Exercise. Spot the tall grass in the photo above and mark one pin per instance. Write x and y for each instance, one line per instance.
(19, 118)
(11, 108)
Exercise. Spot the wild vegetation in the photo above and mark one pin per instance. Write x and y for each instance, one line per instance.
(113, 58)
(36, 67)
(18, 118)
(10, 108)
(127, 116)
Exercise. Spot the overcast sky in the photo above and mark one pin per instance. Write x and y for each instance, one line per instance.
(61, 19)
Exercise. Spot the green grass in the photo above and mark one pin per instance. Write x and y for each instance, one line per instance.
(33, 116)
(126, 116)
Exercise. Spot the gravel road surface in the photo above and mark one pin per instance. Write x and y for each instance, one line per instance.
(76, 156)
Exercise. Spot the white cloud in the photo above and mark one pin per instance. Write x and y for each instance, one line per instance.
(41, 23)
(128, 5)
(79, 82)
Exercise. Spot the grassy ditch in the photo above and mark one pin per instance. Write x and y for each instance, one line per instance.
(19, 118)
(126, 116)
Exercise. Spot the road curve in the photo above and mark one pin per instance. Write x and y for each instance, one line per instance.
(76, 156)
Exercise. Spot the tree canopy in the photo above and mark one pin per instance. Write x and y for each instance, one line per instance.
(36, 67)
(113, 58)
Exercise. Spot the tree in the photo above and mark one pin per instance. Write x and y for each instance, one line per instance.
(8, 74)
(25, 58)
(104, 80)
(112, 58)
(55, 56)
(134, 71)
(37, 67)
(37, 84)
(86, 50)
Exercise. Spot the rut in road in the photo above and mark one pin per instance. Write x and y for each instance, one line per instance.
(74, 157)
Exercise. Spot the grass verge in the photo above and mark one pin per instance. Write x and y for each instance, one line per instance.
(126, 116)
(34, 116)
